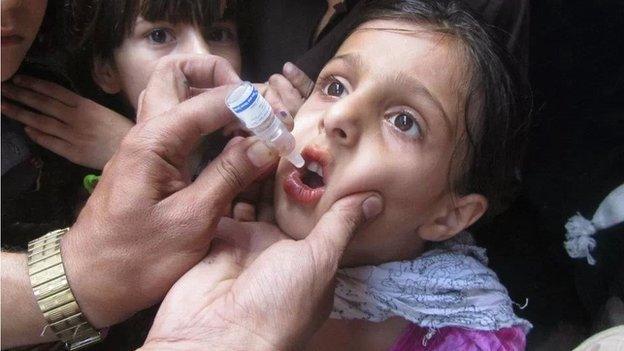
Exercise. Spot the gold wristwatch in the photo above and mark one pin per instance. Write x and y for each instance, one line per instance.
(54, 296)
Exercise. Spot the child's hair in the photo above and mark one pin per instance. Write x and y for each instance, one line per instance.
(114, 19)
(497, 97)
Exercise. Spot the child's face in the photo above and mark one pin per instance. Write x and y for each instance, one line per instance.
(383, 117)
(136, 58)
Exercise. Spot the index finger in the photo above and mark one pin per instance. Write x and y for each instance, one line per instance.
(298, 79)
(47, 88)
(175, 133)
(171, 81)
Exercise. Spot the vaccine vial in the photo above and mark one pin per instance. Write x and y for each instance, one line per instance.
(249, 106)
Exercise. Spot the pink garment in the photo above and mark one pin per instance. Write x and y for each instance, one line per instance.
(415, 338)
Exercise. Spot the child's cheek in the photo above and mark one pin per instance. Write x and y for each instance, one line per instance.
(306, 123)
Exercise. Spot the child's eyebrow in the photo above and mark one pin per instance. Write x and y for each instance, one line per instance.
(350, 59)
(420, 89)
(355, 60)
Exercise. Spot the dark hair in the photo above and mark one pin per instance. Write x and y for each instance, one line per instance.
(54, 32)
(101, 26)
(114, 19)
(490, 152)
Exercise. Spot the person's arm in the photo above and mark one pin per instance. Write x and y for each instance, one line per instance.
(258, 289)
(147, 223)
(22, 320)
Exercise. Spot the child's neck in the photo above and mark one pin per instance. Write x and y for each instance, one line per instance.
(392, 252)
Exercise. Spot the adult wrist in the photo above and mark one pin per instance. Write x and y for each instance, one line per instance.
(89, 279)
(22, 320)
(54, 294)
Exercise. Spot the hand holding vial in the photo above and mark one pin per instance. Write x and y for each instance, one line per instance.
(256, 113)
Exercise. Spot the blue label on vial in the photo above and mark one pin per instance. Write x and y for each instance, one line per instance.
(248, 101)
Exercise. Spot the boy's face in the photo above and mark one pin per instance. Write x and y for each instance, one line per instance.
(136, 59)
(383, 117)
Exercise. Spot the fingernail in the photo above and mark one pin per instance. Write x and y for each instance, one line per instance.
(372, 207)
(285, 116)
(260, 155)
(289, 68)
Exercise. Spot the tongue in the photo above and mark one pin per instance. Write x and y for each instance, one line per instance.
(313, 180)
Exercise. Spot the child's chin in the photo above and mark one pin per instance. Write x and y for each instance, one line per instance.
(292, 227)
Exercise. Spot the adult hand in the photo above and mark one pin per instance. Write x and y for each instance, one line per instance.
(280, 298)
(281, 111)
(81, 130)
(293, 86)
(255, 203)
(146, 224)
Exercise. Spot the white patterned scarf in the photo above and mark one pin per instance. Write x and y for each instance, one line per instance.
(448, 285)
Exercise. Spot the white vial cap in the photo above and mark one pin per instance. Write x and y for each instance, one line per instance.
(248, 105)
(296, 159)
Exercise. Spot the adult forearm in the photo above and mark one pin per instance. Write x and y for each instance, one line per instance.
(22, 320)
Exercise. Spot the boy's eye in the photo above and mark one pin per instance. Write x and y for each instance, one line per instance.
(160, 36)
(220, 34)
(406, 123)
(335, 88)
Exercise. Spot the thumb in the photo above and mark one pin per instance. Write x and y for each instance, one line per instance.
(333, 232)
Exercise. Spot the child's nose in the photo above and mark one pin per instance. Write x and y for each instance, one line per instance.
(196, 45)
(341, 123)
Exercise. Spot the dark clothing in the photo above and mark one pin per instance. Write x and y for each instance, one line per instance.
(595, 284)
(330, 39)
(20, 168)
(40, 189)
(276, 31)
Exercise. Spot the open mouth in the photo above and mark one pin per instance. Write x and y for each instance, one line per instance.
(313, 175)
(307, 185)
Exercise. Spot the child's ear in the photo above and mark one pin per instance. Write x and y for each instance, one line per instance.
(106, 76)
(457, 216)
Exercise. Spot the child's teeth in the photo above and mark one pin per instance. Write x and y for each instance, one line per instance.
(312, 166)
(316, 168)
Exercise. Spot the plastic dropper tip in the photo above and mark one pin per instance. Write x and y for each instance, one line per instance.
(296, 159)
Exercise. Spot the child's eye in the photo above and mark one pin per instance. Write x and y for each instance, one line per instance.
(160, 36)
(406, 123)
(220, 34)
(335, 88)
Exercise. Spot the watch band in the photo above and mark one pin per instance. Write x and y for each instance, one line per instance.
(53, 294)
